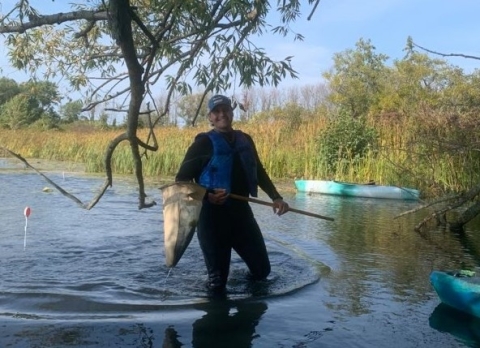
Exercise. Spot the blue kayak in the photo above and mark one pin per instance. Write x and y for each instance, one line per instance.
(460, 290)
(339, 188)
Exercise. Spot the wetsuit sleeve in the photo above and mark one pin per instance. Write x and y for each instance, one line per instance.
(196, 158)
(264, 180)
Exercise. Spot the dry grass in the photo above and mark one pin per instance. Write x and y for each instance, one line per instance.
(286, 152)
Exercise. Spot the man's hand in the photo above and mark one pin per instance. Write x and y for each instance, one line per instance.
(280, 207)
(219, 196)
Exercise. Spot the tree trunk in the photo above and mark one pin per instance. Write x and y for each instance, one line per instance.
(465, 217)
(121, 27)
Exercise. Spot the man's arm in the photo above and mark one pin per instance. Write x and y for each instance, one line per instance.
(196, 157)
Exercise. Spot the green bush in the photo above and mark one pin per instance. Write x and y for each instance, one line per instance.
(346, 139)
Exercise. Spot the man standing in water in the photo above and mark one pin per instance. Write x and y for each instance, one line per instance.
(226, 161)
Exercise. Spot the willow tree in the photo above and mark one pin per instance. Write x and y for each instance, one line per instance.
(357, 78)
(119, 49)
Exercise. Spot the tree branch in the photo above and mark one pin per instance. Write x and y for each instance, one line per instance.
(88, 206)
(57, 18)
(446, 54)
(120, 19)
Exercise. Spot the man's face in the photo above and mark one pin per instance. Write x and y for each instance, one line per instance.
(221, 118)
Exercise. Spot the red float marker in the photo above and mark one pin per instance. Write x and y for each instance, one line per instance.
(26, 213)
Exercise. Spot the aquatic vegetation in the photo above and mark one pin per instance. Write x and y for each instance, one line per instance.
(399, 156)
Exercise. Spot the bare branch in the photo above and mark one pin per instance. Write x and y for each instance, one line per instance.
(427, 205)
(313, 10)
(88, 206)
(57, 18)
(455, 202)
(83, 33)
(446, 54)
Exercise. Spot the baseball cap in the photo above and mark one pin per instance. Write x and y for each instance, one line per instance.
(218, 100)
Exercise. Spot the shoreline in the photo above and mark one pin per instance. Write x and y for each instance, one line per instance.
(9, 164)
(12, 163)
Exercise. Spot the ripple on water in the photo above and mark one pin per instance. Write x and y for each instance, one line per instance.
(109, 261)
(115, 295)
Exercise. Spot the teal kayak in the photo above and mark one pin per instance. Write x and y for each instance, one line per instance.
(356, 190)
(460, 290)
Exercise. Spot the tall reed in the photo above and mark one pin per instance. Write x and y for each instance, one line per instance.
(287, 152)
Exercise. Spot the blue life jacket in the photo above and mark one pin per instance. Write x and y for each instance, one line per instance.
(218, 172)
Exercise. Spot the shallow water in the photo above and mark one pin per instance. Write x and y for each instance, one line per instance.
(97, 278)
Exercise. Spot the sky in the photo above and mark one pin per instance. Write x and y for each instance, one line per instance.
(447, 26)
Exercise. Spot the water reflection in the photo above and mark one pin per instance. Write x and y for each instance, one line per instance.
(220, 323)
(224, 324)
(227, 324)
(469, 246)
(461, 325)
(170, 339)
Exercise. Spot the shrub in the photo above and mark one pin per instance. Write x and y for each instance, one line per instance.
(346, 139)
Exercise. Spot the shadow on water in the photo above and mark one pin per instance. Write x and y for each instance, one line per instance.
(461, 325)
